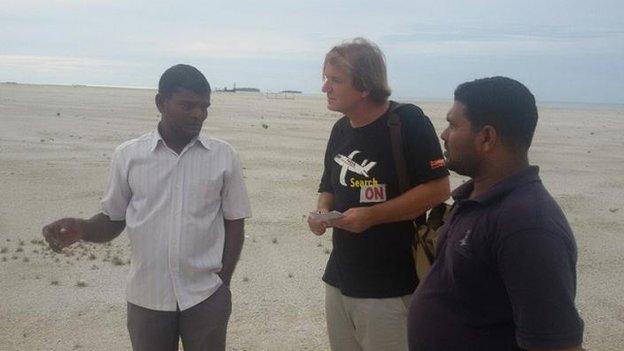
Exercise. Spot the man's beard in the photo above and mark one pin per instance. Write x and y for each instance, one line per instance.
(466, 166)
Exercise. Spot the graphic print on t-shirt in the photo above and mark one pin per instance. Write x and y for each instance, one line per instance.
(370, 189)
(347, 163)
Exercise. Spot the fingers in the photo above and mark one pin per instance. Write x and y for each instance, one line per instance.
(318, 230)
(49, 233)
(54, 243)
(54, 234)
(321, 229)
(316, 227)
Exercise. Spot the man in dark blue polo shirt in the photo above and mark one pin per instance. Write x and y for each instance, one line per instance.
(505, 274)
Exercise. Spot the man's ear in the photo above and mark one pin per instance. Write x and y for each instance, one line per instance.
(364, 94)
(488, 138)
(159, 99)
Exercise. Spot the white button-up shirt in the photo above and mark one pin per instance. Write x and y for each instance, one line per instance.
(174, 207)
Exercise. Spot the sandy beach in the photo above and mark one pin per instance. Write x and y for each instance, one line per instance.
(55, 148)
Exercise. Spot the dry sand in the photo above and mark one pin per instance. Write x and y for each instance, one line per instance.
(55, 147)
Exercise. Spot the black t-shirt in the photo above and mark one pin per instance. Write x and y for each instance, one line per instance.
(504, 276)
(360, 171)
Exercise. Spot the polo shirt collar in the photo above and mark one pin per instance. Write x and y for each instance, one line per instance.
(527, 175)
(156, 138)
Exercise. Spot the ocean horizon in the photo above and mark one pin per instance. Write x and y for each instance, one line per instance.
(541, 103)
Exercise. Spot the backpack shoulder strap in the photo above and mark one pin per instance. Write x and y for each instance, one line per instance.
(400, 162)
(396, 139)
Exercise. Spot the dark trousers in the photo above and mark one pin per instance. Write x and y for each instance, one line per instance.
(202, 327)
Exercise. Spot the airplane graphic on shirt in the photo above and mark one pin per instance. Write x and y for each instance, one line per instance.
(347, 164)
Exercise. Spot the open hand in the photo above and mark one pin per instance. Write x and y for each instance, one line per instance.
(62, 233)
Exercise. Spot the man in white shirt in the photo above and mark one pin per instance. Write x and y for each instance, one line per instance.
(181, 197)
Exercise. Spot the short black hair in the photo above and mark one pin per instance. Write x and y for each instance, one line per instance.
(505, 104)
(183, 76)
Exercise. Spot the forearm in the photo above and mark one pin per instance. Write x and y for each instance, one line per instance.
(325, 202)
(100, 228)
(234, 239)
(412, 203)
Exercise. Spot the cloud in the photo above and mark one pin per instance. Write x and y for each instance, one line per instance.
(277, 45)
(471, 41)
(437, 32)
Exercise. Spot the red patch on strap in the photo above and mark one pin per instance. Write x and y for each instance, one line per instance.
(435, 164)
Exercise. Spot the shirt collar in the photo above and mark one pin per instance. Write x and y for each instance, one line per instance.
(204, 140)
(527, 175)
(156, 138)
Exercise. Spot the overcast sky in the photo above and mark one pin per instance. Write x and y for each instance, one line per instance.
(569, 51)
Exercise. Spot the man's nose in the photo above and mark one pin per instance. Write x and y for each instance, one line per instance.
(325, 86)
(199, 113)
(443, 135)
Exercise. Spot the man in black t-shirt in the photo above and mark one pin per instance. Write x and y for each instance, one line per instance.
(505, 272)
(370, 274)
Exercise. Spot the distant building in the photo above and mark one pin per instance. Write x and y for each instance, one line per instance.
(235, 89)
(252, 90)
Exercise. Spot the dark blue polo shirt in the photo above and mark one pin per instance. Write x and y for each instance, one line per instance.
(505, 274)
